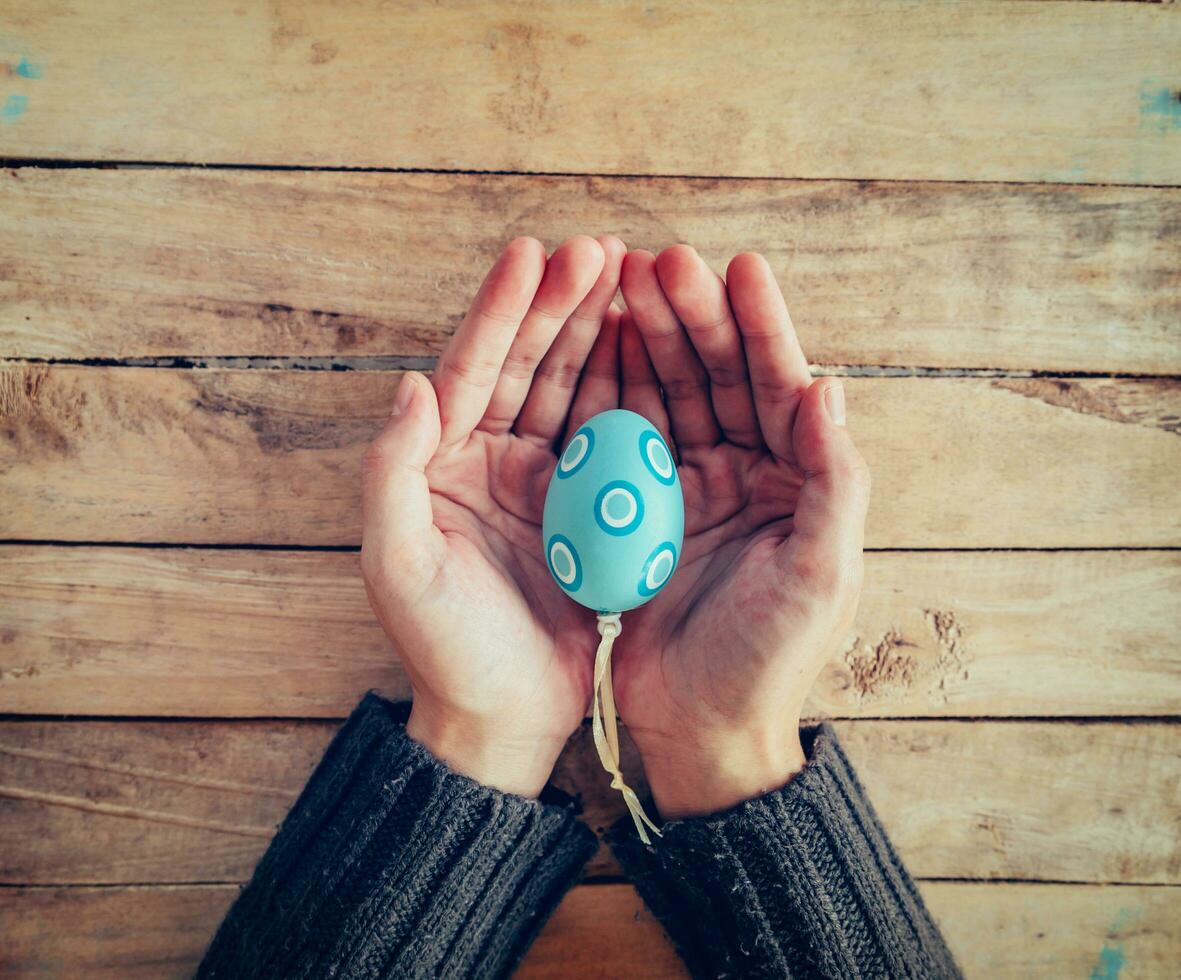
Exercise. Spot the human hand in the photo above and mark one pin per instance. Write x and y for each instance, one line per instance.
(711, 675)
(498, 658)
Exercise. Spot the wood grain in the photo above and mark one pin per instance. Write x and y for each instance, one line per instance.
(795, 89)
(150, 933)
(937, 186)
(994, 930)
(251, 457)
(206, 633)
(142, 263)
(180, 802)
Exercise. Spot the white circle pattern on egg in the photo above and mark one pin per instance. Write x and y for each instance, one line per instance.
(619, 508)
(564, 563)
(657, 458)
(657, 568)
(611, 501)
(576, 454)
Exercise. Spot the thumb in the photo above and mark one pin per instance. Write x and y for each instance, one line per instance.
(398, 531)
(828, 528)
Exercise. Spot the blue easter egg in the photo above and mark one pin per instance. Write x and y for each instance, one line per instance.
(614, 515)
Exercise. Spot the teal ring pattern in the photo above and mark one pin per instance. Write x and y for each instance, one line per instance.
(634, 520)
(664, 548)
(564, 471)
(560, 540)
(646, 440)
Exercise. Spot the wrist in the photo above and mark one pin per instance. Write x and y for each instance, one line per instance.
(713, 772)
(483, 750)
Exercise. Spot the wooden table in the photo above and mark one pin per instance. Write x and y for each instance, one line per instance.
(225, 227)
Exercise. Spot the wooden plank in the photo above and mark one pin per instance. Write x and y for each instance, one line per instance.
(602, 931)
(176, 802)
(150, 933)
(142, 263)
(797, 89)
(207, 633)
(1032, 800)
(1006, 930)
(994, 930)
(204, 456)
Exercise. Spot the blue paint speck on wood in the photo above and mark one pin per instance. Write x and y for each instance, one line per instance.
(1161, 105)
(28, 69)
(1111, 961)
(14, 107)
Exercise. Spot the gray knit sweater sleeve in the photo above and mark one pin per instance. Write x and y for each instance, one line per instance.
(801, 882)
(391, 865)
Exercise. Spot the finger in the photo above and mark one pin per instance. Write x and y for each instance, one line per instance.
(556, 379)
(397, 521)
(569, 275)
(640, 392)
(598, 388)
(778, 369)
(828, 527)
(470, 366)
(681, 373)
(698, 298)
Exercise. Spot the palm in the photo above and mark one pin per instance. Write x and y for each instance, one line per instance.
(454, 493)
(523, 636)
(717, 364)
(738, 509)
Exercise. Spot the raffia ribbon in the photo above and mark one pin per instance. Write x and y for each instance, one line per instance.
(605, 727)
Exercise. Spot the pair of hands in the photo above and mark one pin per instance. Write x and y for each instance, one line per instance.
(710, 675)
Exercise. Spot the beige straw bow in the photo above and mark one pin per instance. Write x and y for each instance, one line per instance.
(605, 728)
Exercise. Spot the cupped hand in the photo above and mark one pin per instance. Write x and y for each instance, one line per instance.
(711, 675)
(499, 659)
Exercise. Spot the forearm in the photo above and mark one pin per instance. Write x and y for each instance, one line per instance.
(801, 882)
(391, 864)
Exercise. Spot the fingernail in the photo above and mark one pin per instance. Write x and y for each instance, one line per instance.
(404, 394)
(834, 402)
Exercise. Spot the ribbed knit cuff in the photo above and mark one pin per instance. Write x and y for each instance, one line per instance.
(390, 864)
(801, 882)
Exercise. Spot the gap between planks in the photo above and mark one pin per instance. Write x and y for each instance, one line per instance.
(599, 881)
(51, 163)
(348, 549)
(188, 719)
(398, 362)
